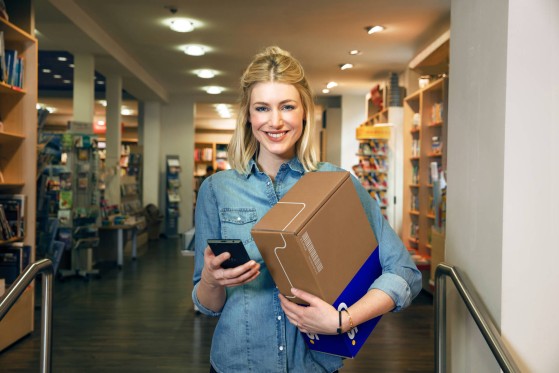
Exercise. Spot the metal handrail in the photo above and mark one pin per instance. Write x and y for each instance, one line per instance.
(15, 291)
(479, 314)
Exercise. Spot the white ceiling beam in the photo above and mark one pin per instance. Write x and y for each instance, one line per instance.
(88, 25)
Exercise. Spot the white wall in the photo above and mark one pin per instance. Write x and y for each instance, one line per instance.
(354, 112)
(177, 138)
(531, 197)
(333, 136)
(502, 160)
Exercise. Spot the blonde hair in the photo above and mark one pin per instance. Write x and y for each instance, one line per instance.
(272, 65)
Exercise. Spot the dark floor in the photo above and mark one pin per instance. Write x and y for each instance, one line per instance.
(141, 319)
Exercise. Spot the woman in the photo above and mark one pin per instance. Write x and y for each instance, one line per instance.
(271, 148)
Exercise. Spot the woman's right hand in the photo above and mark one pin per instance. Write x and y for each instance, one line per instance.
(216, 276)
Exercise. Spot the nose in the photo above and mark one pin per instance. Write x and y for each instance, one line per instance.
(276, 120)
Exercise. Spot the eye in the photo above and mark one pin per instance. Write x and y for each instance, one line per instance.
(261, 109)
(288, 107)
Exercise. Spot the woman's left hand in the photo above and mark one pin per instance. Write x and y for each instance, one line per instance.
(318, 317)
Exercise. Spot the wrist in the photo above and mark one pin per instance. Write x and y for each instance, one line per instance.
(347, 321)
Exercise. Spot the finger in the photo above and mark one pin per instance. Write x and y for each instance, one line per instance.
(244, 278)
(303, 295)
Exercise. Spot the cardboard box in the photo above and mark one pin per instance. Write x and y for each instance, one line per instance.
(318, 239)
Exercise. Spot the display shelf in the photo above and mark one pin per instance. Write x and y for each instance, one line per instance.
(210, 154)
(378, 161)
(173, 184)
(18, 150)
(425, 117)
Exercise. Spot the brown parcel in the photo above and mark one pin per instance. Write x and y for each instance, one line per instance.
(316, 237)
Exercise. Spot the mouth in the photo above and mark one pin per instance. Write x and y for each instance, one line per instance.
(276, 135)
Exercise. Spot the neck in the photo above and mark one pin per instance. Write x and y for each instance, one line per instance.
(270, 166)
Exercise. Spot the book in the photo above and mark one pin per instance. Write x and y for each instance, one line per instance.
(3, 70)
(13, 261)
(65, 218)
(14, 209)
(65, 201)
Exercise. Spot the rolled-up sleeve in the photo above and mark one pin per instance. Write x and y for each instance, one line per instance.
(400, 278)
(207, 226)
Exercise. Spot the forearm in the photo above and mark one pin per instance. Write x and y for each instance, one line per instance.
(373, 304)
(211, 296)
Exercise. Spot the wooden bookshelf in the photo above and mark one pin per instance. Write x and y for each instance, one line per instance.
(18, 148)
(209, 154)
(425, 118)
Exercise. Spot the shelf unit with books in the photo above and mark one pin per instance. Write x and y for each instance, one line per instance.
(18, 149)
(425, 133)
(209, 154)
(379, 154)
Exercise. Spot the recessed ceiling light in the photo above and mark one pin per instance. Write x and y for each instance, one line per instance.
(214, 90)
(205, 73)
(354, 52)
(194, 50)
(126, 111)
(374, 29)
(331, 85)
(223, 110)
(181, 25)
(62, 58)
(66, 81)
(103, 102)
(325, 90)
(46, 71)
(346, 66)
(100, 82)
(71, 65)
(56, 76)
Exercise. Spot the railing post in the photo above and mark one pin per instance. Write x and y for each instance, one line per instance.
(15, 291)
(478, 313)
(46, 322)
(440, 322)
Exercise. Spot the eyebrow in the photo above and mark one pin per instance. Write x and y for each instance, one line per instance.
(281, 102)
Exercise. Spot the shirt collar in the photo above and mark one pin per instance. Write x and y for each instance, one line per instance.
(294, 164)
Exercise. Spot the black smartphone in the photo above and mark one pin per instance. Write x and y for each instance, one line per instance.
(236, 248)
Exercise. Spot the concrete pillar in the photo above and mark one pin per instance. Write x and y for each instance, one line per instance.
(113, 136)
(84, 89)
(177, 135)
(151, 134)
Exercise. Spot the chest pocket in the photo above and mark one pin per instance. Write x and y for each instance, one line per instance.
(237, 223)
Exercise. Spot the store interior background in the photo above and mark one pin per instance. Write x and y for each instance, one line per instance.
(499, 230)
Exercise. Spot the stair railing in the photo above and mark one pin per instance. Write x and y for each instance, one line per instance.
(15, 291)
(479, 314)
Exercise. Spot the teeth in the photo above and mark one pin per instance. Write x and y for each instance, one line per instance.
(276, 135)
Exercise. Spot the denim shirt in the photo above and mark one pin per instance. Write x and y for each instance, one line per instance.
(253, 334)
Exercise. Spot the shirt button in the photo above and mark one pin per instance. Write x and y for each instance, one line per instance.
(281, 348)
(279, 317)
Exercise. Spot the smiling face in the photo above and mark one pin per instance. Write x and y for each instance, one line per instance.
(276, 115)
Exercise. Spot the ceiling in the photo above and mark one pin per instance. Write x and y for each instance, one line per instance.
(129, 38)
